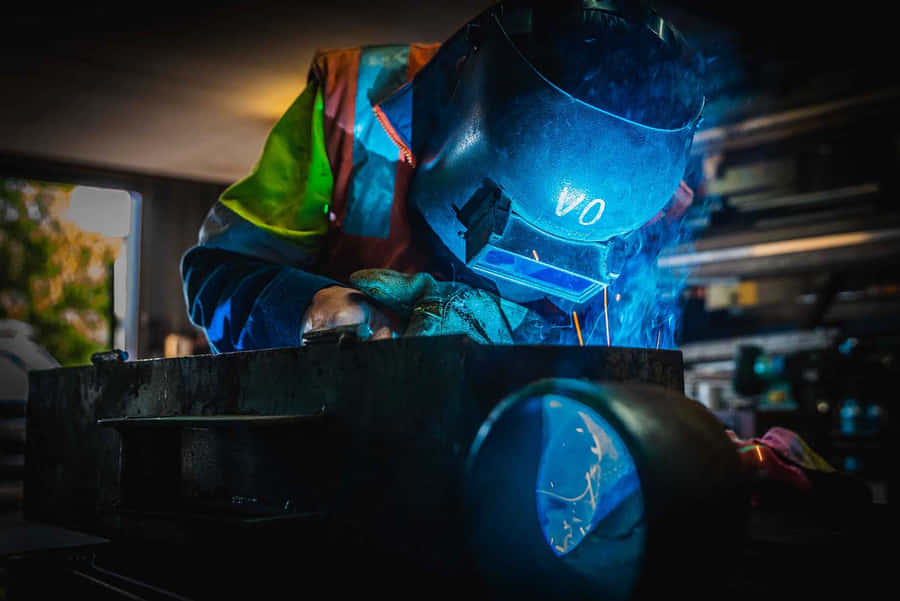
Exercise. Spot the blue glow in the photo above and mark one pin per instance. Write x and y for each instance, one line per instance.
(585, 474)
(645, 302)
(847, 346)
(534, 274)
(572, 172)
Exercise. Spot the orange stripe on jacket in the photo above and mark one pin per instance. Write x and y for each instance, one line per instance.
(343, 253)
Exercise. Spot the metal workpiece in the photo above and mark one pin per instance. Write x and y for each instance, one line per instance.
(663, 458)
(348, 447)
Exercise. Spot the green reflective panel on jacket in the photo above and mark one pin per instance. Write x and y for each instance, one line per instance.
(288, 192)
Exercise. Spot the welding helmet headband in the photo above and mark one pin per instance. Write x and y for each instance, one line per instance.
(564, 129)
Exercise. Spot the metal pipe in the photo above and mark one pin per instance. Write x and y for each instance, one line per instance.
(783, 247)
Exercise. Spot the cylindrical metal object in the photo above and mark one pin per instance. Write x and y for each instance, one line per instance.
(578, 490)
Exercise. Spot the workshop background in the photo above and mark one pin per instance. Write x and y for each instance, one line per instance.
(119, 128)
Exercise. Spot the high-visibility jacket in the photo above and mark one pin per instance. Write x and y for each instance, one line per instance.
(327, 197)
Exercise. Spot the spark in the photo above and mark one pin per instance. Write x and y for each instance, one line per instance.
(591, 476)
(606, 316)
(658, 336)
(759, 453)
(578, 328)
(536, 257)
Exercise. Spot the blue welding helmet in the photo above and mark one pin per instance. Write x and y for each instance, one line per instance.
(563, 130)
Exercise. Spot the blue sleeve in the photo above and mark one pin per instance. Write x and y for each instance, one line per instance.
(244, 302)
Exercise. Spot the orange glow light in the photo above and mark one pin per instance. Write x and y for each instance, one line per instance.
(759, 452)
(577, 328)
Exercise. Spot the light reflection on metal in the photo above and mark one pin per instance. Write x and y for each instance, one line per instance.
(845, 193)
(585, 474)
(784, 247)
(780, 125)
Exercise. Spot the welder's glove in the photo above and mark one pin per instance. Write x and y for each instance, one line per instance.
(427, 307)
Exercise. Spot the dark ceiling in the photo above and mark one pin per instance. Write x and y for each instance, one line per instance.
(190, 89)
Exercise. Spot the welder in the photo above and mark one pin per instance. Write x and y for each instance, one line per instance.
(486, 185)
(494, 185)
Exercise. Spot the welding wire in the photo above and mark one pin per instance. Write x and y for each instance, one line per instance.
(578, 328)
(606, 316)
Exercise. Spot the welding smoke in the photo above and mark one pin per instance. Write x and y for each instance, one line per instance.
(609, 62)
(643, 307)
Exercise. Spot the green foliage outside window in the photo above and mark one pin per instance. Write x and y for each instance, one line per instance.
(54, 275)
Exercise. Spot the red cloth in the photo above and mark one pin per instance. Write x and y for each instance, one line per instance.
(783, 469)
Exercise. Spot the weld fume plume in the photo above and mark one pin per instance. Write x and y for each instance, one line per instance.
(645, 303)
(612, 64)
